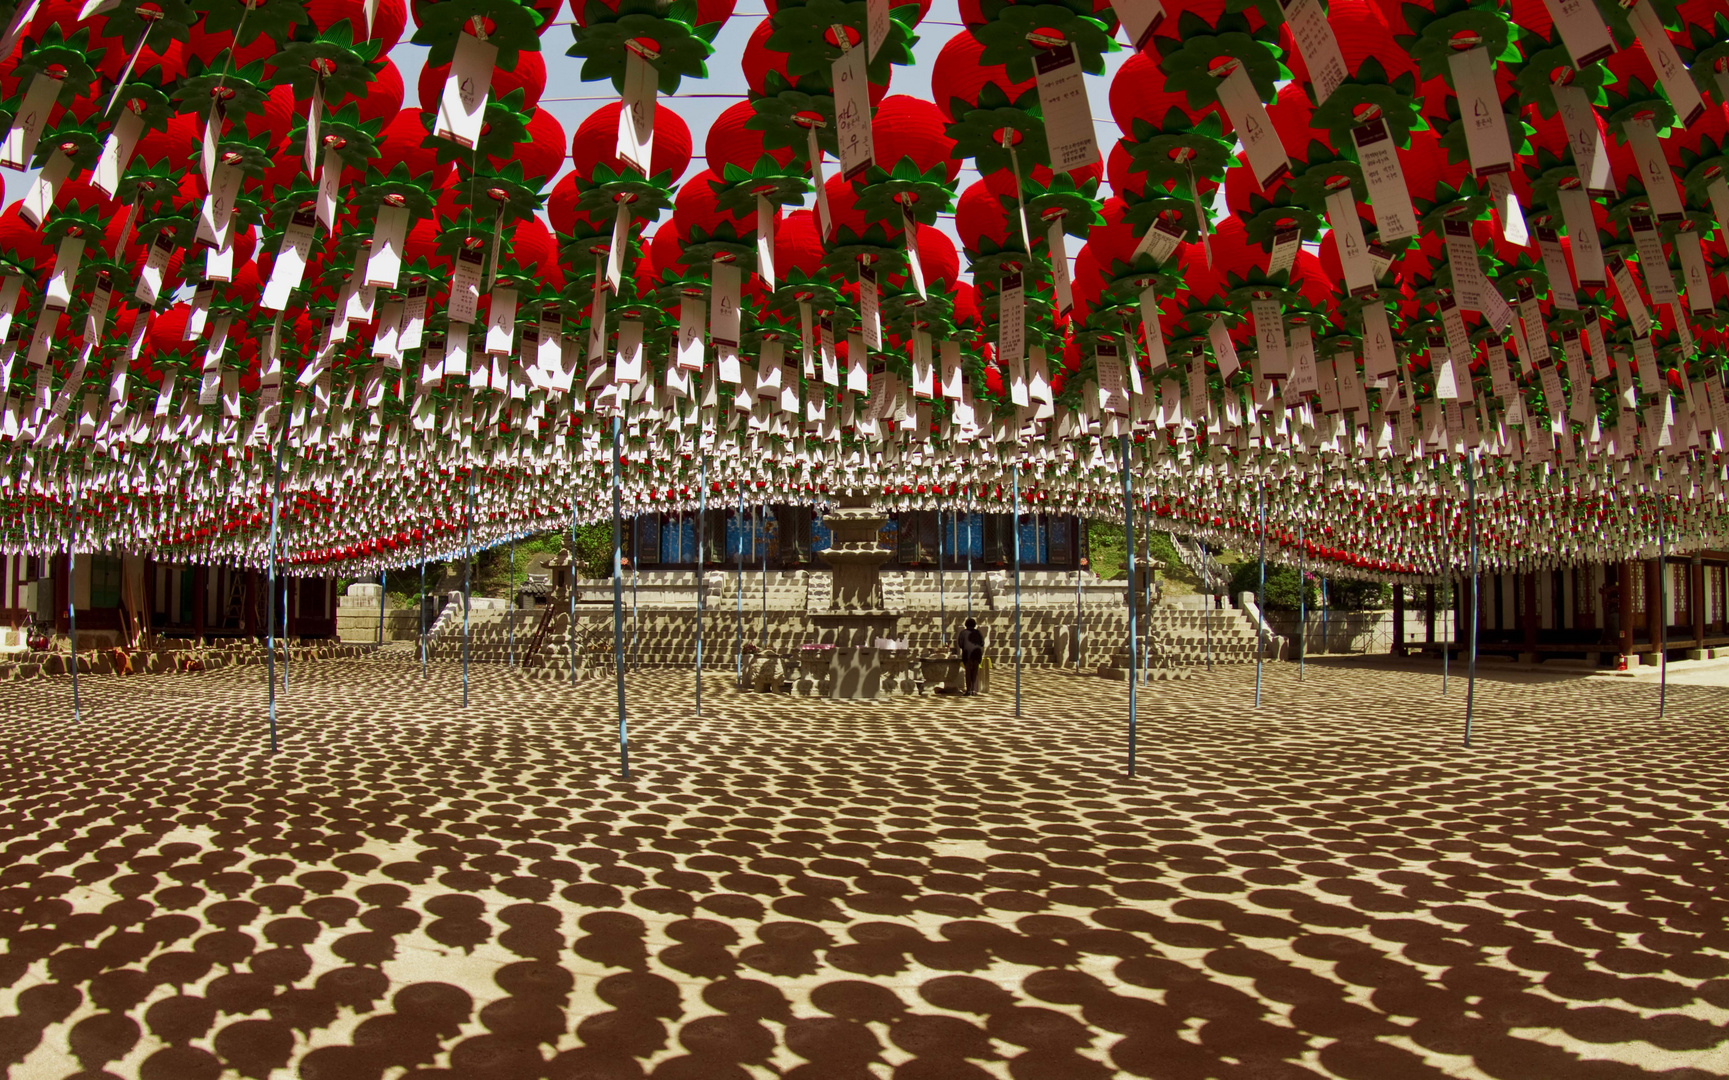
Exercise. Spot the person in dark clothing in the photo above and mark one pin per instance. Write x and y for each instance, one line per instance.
(971, 643)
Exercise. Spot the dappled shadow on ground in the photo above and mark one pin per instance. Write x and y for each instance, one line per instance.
(1327, 886)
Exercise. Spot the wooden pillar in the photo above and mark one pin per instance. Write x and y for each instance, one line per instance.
(1530, 619)
(1696, 598)
(1428, 615)
(248, 621)
(200, 590)
(1398, 620)
(1654, 607)
(62, 568)
(1624, 578)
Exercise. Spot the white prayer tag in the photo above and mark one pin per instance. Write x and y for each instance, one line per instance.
(462, 105)
(1582, 30)
(1270, 337)
(1694, 273)
(1319, 47)
(1654, 171)
(1159, 241)
(465, 285)
(692, 324)
(1286, 244)
(1139, 18)
(1305, 379)
(117, 151)
(1468, 281)
(1379, 359)
(636, 119)
(1653, 264)
(921, 373)
(852, 109)
(314, 112)
(1480, 111)
(329, 187)
(824, 221)
(627, 367)
(413, 317)
(1242, 102)
(723, 326)
(950, 354)
(1555, 266)
(1671, 72)
(1011, 322)
(291, 258)
(1585, 137)
(39, 198)
(1508, 211)
(870, 308)
(1582, 235)
(501, 322)
(1224, 349)
(389, 229)
(65, 273)
(150, 277)
(27, 124)
(1594, 346)
(218, 210)
(1063, 102)
(1384, 176)
(1348, 236)
(830, 363)
(1637, 313)
(876, 26)
(765, 243)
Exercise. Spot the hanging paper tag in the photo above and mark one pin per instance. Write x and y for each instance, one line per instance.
(765, 242)
(150, 277)
(1457, 342)
(1011, 322)
(1348, 233)
(876, 26)
(465, 285)
(807, 339)
(1260, 139)
(1315, 41)
(1508, 211)
(1063, 103)
(692, 322)
(1594, 345)
(117, 151)
(462, 105)
(501, 321)
(9, 290)
(1582, 234)
(1555, 266)
(27, 124)
(1152, 328)
(813, 152)
(870, 308)
(852, 110)
(1055, 242)
(100, 297)
(915, 261)
(856, 381)
(1694, 273)
(1654, 171)
(1718, 192)
(628, 363)
(207, 147)
(218, 209)
(1384, 176)
(619, 245)
(1224, 350)
(1585, 138)
(1536, 334)
(921, 373)
(1159, 241)
(1379, 359)
(1671, 72)
(66, 262)
(314, 114)
(1269, 320)
(723, 325)
(1286, 244)
(1480, 108)
(1653, 264)
(384, 265)
(1305, 379)
(1582, 30)
(290, 266)
(1637, 313)
(830, 366)
(1469, 284)
(40, 197)
(949, 354)
(329, 182)
(1139, 18)
(636, 118)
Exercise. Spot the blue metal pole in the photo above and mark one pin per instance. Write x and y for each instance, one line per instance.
(1129, 590)
(618, 602)
(467, 579)
(270, 594)
(701, 523)
(1471, 679)
(1017, 524)
(1261, 594)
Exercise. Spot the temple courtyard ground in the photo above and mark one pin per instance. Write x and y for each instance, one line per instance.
(1327, 886)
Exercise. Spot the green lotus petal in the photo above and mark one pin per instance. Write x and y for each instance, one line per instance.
(1005, 38)
(683, 51)
(516, 28)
